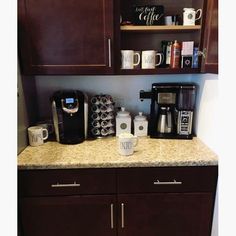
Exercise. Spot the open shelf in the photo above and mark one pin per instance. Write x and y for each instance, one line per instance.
(159, 28)
(159, 71)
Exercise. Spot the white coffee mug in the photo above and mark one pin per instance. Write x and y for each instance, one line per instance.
(37, 135)
(149, 60)
(189, 16)
(46, 125)
(126, 144)
(128, 59)
(168, 20)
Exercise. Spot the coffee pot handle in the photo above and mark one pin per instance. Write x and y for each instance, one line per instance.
(169, 122)
(200, 14)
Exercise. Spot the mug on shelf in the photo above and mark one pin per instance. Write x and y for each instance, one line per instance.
(189, 16)
(37, 135)
(129, 59)
(138, 66)
(149, 60)
(126, 143)
(168, 20)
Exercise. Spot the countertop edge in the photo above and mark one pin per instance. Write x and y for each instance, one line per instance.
(107, 166)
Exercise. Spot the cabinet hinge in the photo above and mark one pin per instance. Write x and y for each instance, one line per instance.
(203, 53)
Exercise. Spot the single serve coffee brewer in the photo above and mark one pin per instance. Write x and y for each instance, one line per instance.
(171, 110)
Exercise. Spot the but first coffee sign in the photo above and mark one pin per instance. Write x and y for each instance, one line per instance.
(148, 15)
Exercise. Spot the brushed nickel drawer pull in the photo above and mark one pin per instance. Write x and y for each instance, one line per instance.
(167, 183)
(57, 185)
(112, 217)
(109, 52)
(122, 215)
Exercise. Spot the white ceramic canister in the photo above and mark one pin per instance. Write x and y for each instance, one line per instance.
(140, 125)
(123, 122)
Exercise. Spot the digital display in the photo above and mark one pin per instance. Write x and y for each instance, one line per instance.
(70, 100)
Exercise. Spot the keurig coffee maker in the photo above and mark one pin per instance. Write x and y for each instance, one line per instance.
(70, 116)
(172, 110)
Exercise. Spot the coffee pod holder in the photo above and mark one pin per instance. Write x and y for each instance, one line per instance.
(102, 116)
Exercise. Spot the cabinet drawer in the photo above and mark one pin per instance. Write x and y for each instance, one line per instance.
(66, 182)
(167, 179)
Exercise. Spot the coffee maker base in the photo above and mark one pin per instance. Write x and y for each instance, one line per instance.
(170, 136)
(72, 141)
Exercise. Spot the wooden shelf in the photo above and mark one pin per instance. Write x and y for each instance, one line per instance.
(159, 28)
(159, 71)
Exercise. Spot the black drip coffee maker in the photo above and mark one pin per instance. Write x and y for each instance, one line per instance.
(172, 109)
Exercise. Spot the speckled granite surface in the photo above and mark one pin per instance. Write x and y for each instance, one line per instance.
(102, 153)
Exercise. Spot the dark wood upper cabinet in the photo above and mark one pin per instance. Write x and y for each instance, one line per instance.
(85, 37)
(66, 37)
(210, 38)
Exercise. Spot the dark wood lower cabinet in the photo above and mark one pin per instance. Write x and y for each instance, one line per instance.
(183, 214)
(68, 216)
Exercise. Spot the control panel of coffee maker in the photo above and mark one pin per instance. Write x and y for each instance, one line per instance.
(184, 126)
(70, 105)
(171, 110)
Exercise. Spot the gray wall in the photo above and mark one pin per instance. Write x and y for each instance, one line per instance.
(123, 89)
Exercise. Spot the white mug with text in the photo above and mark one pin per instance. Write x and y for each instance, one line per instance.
(126, 144)
(37, 135)
(129, 59)
(149, 60)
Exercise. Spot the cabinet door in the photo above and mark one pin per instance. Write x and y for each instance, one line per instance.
(184, 214)
(68, 216)
(66, 37)
(210, 41)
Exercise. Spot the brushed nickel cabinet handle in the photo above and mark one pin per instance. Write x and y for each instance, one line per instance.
(203, 53)
(109, 52)
(112, 217)
(167, 183)
(57, 185)
(122, 215)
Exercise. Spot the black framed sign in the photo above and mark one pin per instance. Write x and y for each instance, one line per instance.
(148, 15)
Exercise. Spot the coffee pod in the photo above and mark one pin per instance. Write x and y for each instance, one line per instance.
(96, 124)
(95, 100)
(95, 108)
(104, 131)
(103, 108)
(106, 99)
(105, 123)
(95, 116)
(95, 131)
(104, 116)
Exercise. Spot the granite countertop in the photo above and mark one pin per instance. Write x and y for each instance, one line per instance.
(102, 153)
